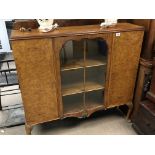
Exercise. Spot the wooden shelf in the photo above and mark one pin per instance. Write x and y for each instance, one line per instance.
(73, 64)
(97, 61)
(77, 64)
(73, 89)
(92, 85)
(79, 88)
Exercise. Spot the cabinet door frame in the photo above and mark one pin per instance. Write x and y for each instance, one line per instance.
(57, 45)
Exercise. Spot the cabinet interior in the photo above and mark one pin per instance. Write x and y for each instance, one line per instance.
(83, 72)
(73, 103)
(94, 99)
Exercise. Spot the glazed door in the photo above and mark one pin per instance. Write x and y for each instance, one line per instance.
(36, 71)
(82, 69)
(124, 64)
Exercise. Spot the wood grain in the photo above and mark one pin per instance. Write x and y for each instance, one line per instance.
(124, 64)
(145, 69)
(74, 31)
(36, 71)
(149, 37)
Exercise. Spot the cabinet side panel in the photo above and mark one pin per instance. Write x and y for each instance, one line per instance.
(124, 64)
(36, 72)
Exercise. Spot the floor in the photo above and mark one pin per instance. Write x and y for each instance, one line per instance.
(110, 122)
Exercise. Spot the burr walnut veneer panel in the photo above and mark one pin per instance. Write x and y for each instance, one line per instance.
(36, 70)
(124, 65)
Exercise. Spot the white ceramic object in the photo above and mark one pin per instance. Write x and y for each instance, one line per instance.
(109, 22)
(46, 25)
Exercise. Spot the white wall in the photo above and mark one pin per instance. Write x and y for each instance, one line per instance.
(4, 37)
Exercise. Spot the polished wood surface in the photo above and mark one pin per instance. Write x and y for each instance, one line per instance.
(35, 64)
(149, 37)
(124, 65)
(144, 116)
(75, 31)
(37, 56)
(145, 70)
(144, 122)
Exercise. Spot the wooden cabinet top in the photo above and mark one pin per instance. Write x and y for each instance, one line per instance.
(74, 31)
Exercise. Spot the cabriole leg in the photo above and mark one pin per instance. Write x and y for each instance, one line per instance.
(28, 129)
(130, 106)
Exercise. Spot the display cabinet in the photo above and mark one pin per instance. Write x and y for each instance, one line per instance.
(75, 71)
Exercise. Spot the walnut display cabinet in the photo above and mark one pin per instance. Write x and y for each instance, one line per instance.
(75, 71)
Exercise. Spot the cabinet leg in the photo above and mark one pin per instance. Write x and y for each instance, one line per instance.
(130, 106)
(28, 129)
